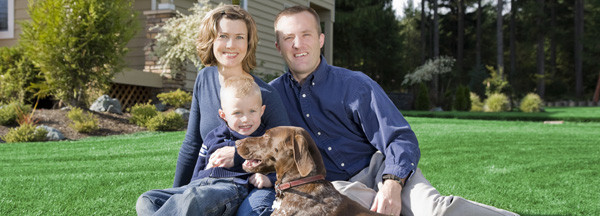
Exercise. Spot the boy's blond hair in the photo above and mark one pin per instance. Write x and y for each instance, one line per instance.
(240, 86)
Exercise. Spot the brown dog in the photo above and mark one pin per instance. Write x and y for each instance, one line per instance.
(301, 188)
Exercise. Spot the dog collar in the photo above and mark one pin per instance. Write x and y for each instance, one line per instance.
(279, 188)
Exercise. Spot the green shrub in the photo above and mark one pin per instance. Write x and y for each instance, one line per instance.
(82, 123)
(531, 103)
(16, 73)
(462, 99)
(9, 114)
(177, 98)
(141, 113)
(78, 44)
(476, 104)
(25, 133)
(497, 102)
(165, 122)
(467, 96)
(422, 102)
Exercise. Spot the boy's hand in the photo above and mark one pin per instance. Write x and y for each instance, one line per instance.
(222, 157)
(260, 181)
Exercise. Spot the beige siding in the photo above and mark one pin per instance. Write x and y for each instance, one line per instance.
(263, 12)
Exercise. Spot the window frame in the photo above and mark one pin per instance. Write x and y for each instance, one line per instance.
(10, 33)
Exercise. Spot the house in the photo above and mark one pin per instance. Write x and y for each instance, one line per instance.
(141, 78)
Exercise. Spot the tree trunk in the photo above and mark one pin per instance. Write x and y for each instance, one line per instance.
(513, 49)
(423, 47)
(478, 43)
(499, 38)
(436, 51)
(578, 47)
(461, 34)
(553, 37)
(540, 49)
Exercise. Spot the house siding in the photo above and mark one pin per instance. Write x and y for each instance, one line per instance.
(263, 12)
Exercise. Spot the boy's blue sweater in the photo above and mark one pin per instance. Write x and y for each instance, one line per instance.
(220, 137)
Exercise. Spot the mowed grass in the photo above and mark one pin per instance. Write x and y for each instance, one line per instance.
(573, 114)
(95, 176)
(527, 167)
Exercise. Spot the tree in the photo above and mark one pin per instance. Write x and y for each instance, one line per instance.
(367, 40)
(578, 47)
(499, 38)
(436, 51)
(540, 49)
(513, 49)
(478, 43)
(78, 44)
(460, 41)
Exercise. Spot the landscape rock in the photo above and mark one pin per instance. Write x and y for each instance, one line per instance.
(53, 133)
(436, 109)
(185, 114)
(106, 104)
(160, 107)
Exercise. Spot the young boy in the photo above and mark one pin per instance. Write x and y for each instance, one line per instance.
(217, 190)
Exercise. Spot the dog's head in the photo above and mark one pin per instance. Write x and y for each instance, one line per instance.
(285, 150)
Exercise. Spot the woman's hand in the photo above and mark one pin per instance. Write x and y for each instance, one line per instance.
(260, 181)
(222, 157)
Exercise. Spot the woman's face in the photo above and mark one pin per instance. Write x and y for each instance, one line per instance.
(231, 44)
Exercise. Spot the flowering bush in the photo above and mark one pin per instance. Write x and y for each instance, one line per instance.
(425, 72)
(497, 102)
(476, 104)
(176, 43)
(531, 103)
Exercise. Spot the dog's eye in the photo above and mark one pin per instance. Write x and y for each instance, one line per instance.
(276, 150)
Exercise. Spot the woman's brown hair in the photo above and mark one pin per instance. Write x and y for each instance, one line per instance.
(208, 34)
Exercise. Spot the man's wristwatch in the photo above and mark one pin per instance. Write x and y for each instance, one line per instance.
(393, 177)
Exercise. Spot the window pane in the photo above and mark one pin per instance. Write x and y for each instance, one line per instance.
(3, 15)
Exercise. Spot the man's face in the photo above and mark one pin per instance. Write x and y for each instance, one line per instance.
(299, 42)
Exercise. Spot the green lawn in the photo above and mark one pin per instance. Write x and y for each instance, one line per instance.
(526, 167)
(578, 114)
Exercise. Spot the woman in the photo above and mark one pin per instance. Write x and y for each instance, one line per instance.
(227, 46)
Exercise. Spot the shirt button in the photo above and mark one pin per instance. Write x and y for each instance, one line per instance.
(319, 133)
(307, 115)
(343, 164)
(303, 95)
(329, 148)
(412, 164)
(313, 83)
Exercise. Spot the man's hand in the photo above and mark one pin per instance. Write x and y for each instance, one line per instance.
(260, 181)
(389, 199)
(222, 157)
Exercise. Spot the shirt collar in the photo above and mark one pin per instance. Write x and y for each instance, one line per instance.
(319, 74)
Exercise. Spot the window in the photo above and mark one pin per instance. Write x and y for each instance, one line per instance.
(7, 18)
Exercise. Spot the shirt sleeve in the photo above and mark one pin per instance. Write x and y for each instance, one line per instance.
(387, 130)
(188, 153)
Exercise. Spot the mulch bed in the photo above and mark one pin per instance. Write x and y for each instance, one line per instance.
(110, 124)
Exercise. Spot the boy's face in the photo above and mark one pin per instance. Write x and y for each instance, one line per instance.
(241, 114)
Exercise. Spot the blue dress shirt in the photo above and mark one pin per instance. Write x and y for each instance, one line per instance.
(350, 117)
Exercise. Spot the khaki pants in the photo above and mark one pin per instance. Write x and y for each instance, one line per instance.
(418, 196)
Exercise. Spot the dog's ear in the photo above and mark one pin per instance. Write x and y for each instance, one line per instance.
(302, 156)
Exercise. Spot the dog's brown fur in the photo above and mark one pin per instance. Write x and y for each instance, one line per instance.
(291, 153)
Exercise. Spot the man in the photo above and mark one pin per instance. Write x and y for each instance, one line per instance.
(369, 150)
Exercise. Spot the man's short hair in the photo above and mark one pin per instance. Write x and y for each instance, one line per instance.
(209, 30)
(296, 10)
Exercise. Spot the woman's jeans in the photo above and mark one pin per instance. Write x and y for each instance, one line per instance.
(207, 196)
